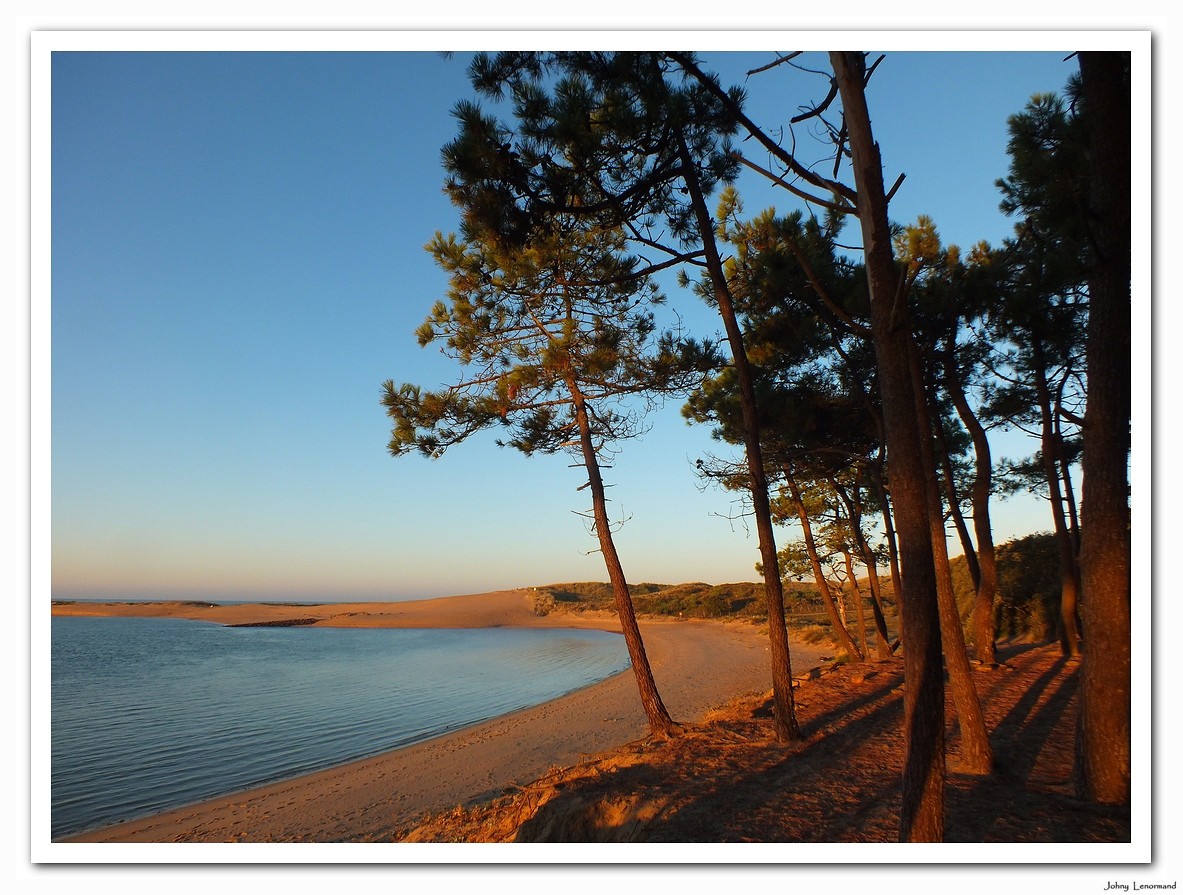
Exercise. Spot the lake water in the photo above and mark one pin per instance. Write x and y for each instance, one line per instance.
(150, 714)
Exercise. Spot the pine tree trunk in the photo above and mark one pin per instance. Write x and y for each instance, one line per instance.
(953, 498)
(875, 467)
(1073, 518)
(842, 637)
(660, 722)
(860, 610)
(1069, 573)
(784, 711)
(1104, 751)
(976, 755)
(854, 511)
(893, 551)
(953, 502)
(882, 638)
(1069, 496)
(982, 615)
(922, 803)
(841, 608)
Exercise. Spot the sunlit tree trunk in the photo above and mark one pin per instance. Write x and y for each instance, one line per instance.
(660, 722)
(854, 512)
(982, 615)
(841, 635)
(956, 516)
(784, 712)
(922, 803)
(976, 755)
(859, 609)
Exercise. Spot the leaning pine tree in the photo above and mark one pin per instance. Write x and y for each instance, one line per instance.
(559, 347)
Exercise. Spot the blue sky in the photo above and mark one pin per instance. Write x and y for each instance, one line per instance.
(237, 265)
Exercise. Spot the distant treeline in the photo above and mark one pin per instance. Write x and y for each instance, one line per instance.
(743, 600)
(1027, 607)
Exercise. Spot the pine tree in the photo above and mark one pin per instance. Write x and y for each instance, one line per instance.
(625, 140)
(1044, 299)
(922, 808)
(559, 347)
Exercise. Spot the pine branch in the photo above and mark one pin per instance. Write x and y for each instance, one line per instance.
(850, 208)
(688, 65)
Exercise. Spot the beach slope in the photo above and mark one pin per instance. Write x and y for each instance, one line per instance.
(698, 665)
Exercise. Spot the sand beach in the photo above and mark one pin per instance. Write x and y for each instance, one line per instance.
(698, 665)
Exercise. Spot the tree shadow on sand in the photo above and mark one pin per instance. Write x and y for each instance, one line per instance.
(728, 781)
(1029, 797)
(745, 787)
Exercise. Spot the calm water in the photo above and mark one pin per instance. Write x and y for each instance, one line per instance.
(150, 714)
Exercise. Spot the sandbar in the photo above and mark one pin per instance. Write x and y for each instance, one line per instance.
(698, 665)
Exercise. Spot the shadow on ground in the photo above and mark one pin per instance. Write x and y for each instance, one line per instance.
(727, 780)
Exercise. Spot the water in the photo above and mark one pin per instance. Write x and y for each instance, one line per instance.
(150, 714)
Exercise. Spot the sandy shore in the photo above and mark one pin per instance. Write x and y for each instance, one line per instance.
(697, 664)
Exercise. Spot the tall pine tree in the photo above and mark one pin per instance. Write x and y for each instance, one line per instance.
(559, 348)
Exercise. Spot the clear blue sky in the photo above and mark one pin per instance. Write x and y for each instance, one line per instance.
(237, 266)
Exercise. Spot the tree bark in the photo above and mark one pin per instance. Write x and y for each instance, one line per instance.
(982, 617)
(1104, 751)
(784, 711)
(859, 609)
(922, 803)
(660, 722)
(883, 645)
(976, 755)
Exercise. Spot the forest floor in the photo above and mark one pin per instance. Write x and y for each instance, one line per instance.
(725, 779)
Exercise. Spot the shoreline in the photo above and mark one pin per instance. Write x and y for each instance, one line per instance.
(698, 664)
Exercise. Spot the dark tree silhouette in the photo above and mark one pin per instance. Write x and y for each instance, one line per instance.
(1043, 306)
(1104, 754)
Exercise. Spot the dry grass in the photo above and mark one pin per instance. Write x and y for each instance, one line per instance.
(726, 779)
